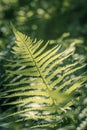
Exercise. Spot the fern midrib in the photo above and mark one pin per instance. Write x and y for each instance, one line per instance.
(44, 81)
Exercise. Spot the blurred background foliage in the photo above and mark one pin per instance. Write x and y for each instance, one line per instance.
(44, 19)
(59, 21)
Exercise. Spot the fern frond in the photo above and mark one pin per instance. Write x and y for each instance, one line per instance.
(39, 80)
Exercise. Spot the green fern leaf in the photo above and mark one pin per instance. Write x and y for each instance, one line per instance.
(40, 84)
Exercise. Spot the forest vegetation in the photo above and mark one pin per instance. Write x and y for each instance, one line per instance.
(43, 65)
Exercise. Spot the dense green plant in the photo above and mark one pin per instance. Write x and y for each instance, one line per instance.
(43, 84)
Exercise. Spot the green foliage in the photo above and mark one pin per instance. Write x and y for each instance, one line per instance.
(61, 22)
(44, 19)
(42, 84)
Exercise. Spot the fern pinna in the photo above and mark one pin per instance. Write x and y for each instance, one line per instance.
(42, 82)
